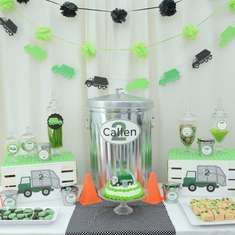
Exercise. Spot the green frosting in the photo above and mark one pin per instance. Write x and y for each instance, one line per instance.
(44, 34)
(7, 5)
(140, 50)
(193, 154)
(190, 31)
(55, 121)
(88, 50)
(118, 193)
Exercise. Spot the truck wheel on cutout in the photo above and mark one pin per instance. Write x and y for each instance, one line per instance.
(88, 83)
(210, 188)
(45, 192)
(28, 193)
(192, 187)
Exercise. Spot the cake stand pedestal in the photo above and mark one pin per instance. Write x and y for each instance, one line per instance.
(122, 208)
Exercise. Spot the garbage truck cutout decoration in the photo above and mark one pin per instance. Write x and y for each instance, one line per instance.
(209, 177)
(43, 181)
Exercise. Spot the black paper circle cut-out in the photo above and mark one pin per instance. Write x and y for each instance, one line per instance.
(167, 7)
(69, 9)
(119, 15)
(23, 1)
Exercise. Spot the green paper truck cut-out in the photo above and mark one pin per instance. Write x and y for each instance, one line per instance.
(43, 181)
(209, 177)
(138, 84)
(169, 76)
(227, 36)
(122, 178)
(36, 52)
(64, 70)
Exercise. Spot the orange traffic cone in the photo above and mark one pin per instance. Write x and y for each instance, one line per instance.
(153, 191)
(89, 194)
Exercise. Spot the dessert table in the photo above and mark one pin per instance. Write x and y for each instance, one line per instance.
(59, 227)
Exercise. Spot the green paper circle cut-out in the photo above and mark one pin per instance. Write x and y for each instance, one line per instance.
(140, 50)
(88, 50)
(190, 31)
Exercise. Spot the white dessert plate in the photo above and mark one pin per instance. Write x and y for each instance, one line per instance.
(31, 222)
(195, 220)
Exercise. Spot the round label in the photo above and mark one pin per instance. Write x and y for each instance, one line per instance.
(207, 150)
(172, 196)
(43, 154)
(119, 131)
(222, 125)
(10, 202)
(28, 146)
(71, 198)
(187, 131)
(12, 148)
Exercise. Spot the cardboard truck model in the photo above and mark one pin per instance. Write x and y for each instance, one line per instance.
(43, 181)
(123, 178)
(211, 177)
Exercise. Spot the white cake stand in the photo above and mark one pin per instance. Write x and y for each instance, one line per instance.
(122, 208)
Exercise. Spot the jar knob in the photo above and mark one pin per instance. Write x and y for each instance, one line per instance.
(120, 91)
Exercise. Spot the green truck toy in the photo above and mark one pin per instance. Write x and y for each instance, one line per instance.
(211, 177)
(123, 178)
(43, 181)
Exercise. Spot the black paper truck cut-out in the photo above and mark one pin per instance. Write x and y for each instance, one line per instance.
(9, 26)
(203, 57)
(99, 82)
(43, 181)
(209, 177)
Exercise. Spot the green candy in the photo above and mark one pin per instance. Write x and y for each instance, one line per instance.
(37, 210)
(49, 217)
(12, 216)
(50, 211)
(42, 214)
(20, 216)
(28, 210)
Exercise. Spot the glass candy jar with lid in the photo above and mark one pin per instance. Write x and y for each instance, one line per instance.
(219, 128)
(188, 129)
(171, 191)
(206, 147)
(28, 142)
(12, 145)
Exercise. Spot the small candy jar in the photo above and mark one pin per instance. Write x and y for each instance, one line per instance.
(171, 191)
(69, 195)
(9, 198)
(206, 147)
(28, 142)
(44, 151)
(12, 146)
(219, 128)
(187, 130)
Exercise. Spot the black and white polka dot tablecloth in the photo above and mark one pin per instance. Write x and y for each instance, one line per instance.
(100, 220)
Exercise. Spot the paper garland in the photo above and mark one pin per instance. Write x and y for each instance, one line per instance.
(7, 5)
(138, 84)
(65, 70)
(169, 76)
(36, 52)
(227, 36)
(44, 34)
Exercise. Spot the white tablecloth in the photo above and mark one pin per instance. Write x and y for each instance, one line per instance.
(59, 226)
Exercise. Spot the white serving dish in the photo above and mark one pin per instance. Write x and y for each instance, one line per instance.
(31, 222)
(195, 220)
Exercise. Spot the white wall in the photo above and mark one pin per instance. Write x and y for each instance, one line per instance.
(26, 85)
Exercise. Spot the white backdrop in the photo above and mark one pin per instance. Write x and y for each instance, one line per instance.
(26, 86)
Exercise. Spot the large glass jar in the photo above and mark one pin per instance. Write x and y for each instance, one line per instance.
(220, 127)
(187, 130)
